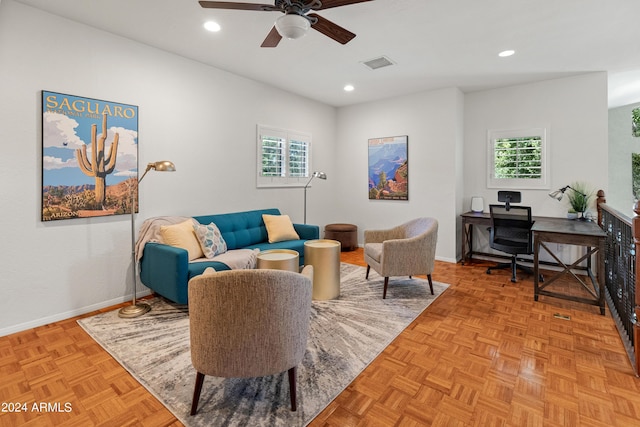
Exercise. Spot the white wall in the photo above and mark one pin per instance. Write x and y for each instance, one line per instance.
(432, 122)
(201, 118)
(204, 120)
(621, 145)
(574, 110)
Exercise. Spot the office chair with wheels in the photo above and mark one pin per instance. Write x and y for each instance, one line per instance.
(510, 233)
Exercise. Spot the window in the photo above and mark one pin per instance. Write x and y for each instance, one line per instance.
(518, 159)
(284, 157)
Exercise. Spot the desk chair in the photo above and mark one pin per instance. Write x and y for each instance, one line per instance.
(510, 232)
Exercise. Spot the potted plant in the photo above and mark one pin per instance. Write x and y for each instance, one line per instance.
(579, 198)
(572, 214)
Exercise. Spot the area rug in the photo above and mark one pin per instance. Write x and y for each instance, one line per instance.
(345, 335)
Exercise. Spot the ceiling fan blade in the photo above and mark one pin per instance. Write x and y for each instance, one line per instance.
(238, 6)
(326, 4)
(272, 39)
(329, 29)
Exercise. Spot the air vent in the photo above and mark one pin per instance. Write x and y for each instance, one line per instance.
(380, 62)
(562, 316)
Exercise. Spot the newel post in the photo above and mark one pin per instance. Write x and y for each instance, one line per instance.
(635, 228)
(601, 199)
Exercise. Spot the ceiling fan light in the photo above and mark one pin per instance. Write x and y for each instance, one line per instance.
(292, 26)
(212, 26)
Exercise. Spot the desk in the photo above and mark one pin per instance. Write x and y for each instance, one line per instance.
(570, 232)
(469, 219)
(483, 219)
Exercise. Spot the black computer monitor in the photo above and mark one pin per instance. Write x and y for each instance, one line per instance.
(509, 197)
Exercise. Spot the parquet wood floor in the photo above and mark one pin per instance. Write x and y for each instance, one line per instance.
(483, 354)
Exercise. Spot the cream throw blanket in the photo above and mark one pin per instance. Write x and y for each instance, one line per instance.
(150, 232)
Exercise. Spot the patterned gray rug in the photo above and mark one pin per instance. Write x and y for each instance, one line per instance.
(345, 335)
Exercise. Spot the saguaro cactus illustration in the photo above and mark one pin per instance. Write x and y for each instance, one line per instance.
(99, 166)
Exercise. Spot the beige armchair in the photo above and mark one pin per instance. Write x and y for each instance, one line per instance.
(406, 250)
(248, 323)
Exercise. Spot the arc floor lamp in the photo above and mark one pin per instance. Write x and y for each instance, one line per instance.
(320, 175)
(139, 308)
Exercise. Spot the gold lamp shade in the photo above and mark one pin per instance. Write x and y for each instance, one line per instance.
(162, 166)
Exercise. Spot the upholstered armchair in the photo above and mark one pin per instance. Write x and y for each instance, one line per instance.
(249, 323)
(406, 250)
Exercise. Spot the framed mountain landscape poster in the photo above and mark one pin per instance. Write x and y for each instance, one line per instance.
(388, 168)
(89, 157)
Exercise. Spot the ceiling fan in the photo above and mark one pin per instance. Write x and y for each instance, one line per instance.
(296, 19)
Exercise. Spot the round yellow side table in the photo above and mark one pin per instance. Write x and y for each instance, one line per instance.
(279, 259)
(324, 255)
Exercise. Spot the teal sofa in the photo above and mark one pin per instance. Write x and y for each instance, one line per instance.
(166, 270)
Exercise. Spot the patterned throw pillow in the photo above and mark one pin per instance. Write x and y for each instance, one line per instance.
(210, 239)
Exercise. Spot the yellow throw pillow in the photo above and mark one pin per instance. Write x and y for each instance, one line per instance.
(279, 228)
(182, 236)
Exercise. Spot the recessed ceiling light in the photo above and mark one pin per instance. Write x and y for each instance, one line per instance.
(349, 88)
(212, 26)
(506, 53)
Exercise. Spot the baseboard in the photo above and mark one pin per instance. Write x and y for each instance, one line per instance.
(446, 259)
(68, 314)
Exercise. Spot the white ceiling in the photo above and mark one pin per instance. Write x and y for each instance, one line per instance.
(434, 43)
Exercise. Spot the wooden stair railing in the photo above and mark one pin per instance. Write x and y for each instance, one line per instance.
(636, 312)
(621, 265)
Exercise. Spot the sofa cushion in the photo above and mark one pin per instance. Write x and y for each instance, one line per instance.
(183, 236)
(240, 229)
(197, 268)
(210, 239)
(279, 228)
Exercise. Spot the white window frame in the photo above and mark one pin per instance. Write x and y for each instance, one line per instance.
(286, 179)
(518, 183)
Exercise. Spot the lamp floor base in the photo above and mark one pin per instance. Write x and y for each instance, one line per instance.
(136, 310)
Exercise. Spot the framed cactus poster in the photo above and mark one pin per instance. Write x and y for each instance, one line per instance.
(89, 157)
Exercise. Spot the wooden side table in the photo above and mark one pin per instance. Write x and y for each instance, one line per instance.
(324, 255)
(279, 259)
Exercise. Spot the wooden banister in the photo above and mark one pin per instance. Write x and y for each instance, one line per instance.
(623, 243)
(635, 226)
(600, 200)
